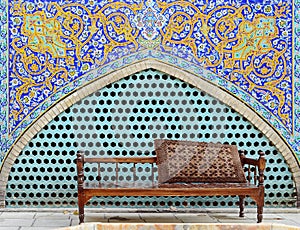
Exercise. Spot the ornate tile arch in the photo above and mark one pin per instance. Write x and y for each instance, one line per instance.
(244, 46)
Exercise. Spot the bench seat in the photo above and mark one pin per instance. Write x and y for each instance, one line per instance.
(174, 189)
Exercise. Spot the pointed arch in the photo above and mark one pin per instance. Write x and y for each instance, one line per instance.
(182, 74)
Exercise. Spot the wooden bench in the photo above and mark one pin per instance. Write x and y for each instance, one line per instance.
(183, 168)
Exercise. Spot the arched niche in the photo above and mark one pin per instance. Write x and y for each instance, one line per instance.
(182, 74)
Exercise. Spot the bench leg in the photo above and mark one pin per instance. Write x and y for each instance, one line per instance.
(242, 206)
(81, 214)
(260, 205)
(81, 208)
(259, 213)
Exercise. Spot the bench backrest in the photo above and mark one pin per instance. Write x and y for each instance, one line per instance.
(176, 161)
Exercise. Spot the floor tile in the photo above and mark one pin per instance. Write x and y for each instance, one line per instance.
(124, 218)
(9, 228)
(159, 218)
(20, 215)
(53, 216)
(51, 223)
(16, 222)
(291, 216)
(194, 218)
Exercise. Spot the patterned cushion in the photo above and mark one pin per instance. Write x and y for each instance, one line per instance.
(188, 161)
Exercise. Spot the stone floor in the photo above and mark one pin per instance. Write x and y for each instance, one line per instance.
(27, 219)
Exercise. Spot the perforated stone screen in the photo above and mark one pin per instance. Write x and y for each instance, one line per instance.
(123, 119)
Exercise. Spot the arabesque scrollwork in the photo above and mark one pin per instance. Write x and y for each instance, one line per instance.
(53, 43)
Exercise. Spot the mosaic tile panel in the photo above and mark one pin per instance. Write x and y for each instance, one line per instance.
(244, 46)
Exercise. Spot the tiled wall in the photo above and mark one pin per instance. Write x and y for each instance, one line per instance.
(246, 48)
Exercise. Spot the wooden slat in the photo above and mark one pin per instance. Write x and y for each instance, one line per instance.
(172, 191)
(255, 175)
(152, 174)
(249, 161)
(117, 172)
(134, 173)
(120, 160)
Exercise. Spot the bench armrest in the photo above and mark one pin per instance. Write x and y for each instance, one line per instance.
(259, 164)
(116, 161)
